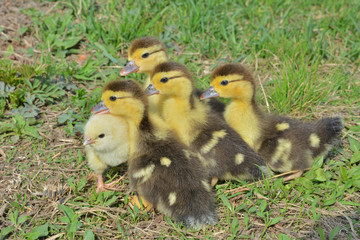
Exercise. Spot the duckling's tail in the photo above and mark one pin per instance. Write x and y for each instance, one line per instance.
(199, 212)
(328, 130)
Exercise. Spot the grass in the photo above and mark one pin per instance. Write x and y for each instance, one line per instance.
(304, 54)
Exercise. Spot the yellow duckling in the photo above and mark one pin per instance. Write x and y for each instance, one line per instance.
(144, 55)
(221, 151)
(161, 169)
(106, 144)
(286, 144)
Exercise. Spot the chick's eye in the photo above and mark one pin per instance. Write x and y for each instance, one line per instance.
(101, 135)
(112, 98)
(145, 55)
(164, 80)
(224, 82)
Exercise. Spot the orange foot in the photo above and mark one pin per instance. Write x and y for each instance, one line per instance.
(135, 201)
(214, 180)
(101, 186)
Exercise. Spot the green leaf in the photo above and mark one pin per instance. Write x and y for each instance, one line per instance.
(6, 127)
(354, 172)
(89, 235)
(23, 30)
(226, 202)
(9, 51)
(321, 233)
(263, 205)
(274, 221)
(320, 175)
(6, 231)
(354, 144)
(343, 173)
(33, 132)
(283, 237)
(68, 211)
(19, 121)
(350, 203)
(318, 162)
(329, 201)
(22, 219)
(39, 231)
(355, 158)
(334, 232)
(307, 183)
(110, 201)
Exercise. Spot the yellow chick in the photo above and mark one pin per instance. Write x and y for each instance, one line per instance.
(286, 144)
(161, 169)
(221, 151)
(144, 55)
(106, 144)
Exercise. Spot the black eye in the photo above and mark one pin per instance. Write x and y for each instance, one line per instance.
(164, 80)
(112, 98)
(101, 135)
(224, 82)
(145, 55)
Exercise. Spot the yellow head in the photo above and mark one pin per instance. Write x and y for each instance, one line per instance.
(231, 81)
(144, 55)
(105, 132)
(171, 79)
(124, 98)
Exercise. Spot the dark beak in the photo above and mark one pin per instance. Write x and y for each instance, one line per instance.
(130, 67)
(210, 93)
(151, 90)
(100, 108)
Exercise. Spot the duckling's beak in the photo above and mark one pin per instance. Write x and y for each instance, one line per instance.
(151, 90)
(210, 93)
(130, 67)
(100, 108)
(88, 141)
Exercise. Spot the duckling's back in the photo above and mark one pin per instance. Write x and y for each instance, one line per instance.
(288, 144)
(174, 182)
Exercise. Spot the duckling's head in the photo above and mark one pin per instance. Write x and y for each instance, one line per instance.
(231, 81)
(143, 55)
(171, 79)
(123, 97)
(103, 131)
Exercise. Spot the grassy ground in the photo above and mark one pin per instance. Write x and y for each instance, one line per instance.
(56, 56)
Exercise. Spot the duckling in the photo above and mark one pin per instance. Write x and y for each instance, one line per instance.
(221, 151)
(106, 144)
(286, 144)
(161, 169)
(144, 55)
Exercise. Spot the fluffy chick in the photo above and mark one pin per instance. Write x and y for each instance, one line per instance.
(106, 144)
(144, 55)
(160, 168)
(221, 151)
(286, 144)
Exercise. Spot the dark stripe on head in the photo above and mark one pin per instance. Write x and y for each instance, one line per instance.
(145, 42)
(173, 66)
(127, 86)
(232, 68)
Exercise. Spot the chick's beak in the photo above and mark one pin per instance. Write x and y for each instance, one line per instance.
(88, 141)
(151, 90)
(210, 93)
(130, 67)
(100, 108)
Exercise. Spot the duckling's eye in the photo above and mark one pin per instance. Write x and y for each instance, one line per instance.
(112, 98)
(145, 55)
(164, 80)
(224, 82)
(101, 135)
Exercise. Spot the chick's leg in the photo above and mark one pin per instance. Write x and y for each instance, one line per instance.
(101, 186)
